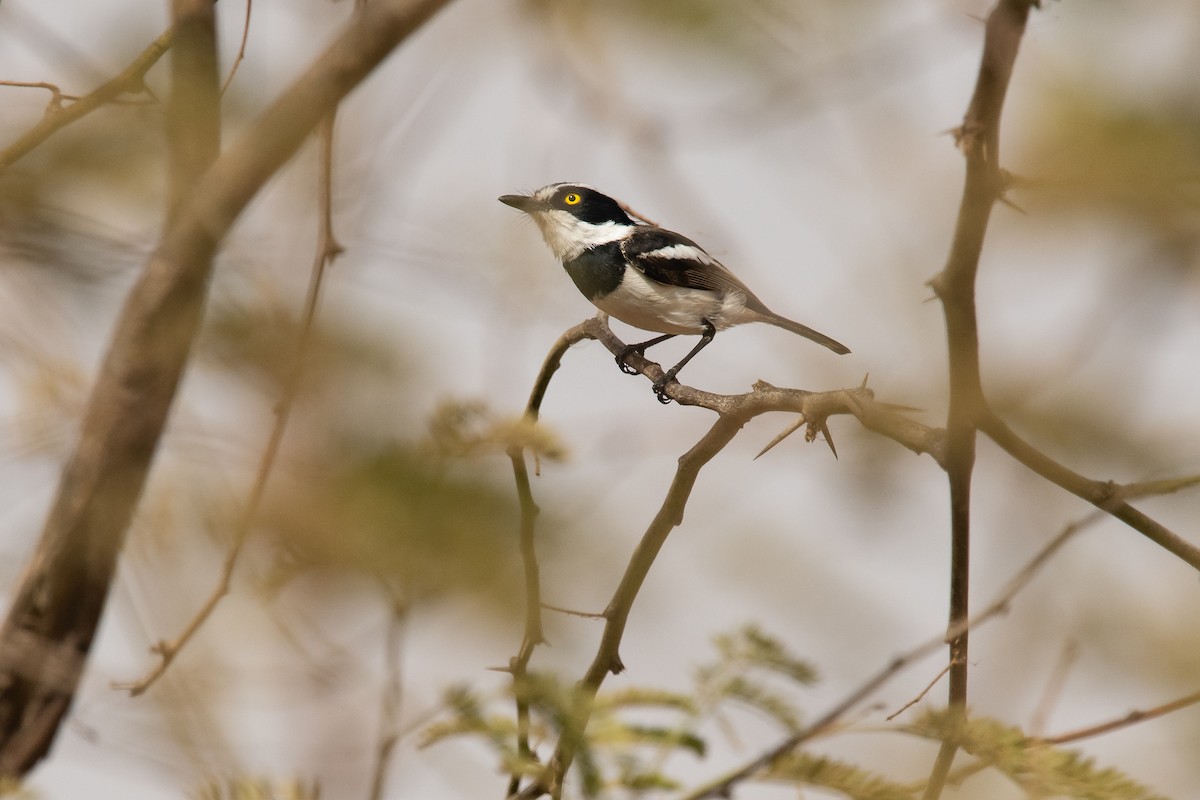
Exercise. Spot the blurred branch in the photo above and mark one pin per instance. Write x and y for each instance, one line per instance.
(241, 53)
(979, 140)
(327, 249)
(1132, 718)
(723, 786)
(1105, 495)
(393, 689)
(52, 620)
(58, 116)
(921, 694)
(48, 633)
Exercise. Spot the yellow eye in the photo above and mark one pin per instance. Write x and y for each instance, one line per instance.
(572, 199)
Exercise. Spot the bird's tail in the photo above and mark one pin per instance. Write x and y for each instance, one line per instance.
(805, 331)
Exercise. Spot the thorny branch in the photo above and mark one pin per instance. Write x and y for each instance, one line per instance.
(734, 411)
(1132, 718)
(979, 140)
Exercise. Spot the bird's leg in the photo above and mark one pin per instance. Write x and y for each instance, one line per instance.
(640, 349)
(661, 383)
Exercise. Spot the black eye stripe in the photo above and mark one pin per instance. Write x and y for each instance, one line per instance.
(590, 206)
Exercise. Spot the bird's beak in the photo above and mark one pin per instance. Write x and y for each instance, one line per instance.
(521, 202)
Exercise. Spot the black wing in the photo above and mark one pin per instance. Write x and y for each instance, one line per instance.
(674, 259)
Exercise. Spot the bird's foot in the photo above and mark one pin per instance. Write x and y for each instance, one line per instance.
(626, 353)
(660, 387)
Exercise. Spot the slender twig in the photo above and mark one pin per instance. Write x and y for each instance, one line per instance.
(534, 634)
(58, 116)
(57, 96)
(921, 694)
(327, 250)
(1132, 718)
(1054, 687)
(241, 53)
(607, 659)
(393, 689)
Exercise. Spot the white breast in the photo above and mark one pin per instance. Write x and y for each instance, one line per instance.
(653, 306)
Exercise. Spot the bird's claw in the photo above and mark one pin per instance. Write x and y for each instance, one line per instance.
(630, 349)
(660, 388)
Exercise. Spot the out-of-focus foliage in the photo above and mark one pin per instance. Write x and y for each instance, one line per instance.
(1041, 770)
(804, 769)
(1093, 153)
(255, 789)
(633, 732)
(394, 512)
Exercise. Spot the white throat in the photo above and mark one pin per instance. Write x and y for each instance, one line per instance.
(568, 236)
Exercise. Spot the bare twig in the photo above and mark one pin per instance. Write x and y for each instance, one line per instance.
(327, 249)
(56, 94)
(393, 689)
(1054, 687)
(921, 694)
(52, 618)
(241, 53)
(58, 116)
(1132, 718)
(607, 659)
(534, 635)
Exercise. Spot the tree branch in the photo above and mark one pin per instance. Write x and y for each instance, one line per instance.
(979, 139)
(607, 658)
(1105, 495)
(1132, 718)
(52, 620)
(534, 634)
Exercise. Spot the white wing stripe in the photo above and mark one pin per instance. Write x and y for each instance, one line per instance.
(682, 252)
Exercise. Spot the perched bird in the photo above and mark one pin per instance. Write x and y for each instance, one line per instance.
(644, 275)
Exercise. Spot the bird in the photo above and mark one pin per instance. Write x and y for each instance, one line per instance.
(644, 275)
